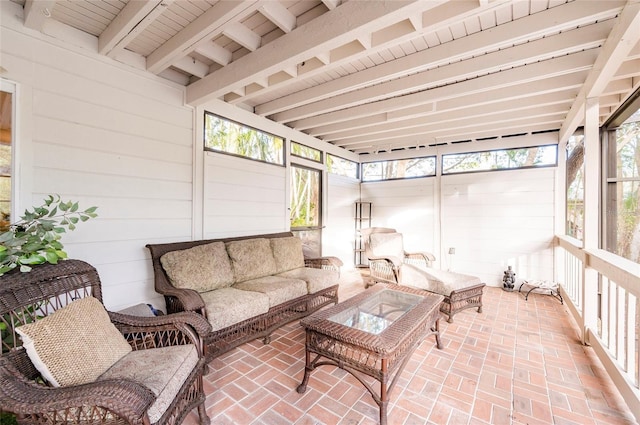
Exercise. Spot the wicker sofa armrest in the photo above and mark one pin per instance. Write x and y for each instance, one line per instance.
(126, 399)
(177, 299)
(333, 263)
(419, 257)
(161, 331)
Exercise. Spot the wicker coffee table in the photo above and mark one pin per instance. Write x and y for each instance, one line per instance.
(373, 333)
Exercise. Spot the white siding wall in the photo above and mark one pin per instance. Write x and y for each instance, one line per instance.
(105, 135)
(493, 220)
(409, 206)
(243, 197)
(338, 236)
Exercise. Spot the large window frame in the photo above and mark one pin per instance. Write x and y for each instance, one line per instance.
(621, 188)
(460, 158)
(243, 141)
(396, 169)
(8, 123)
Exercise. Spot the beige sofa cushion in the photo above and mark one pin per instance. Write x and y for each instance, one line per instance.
(201, 268)
(387, 245)
(251, 258)
(279, 289)
(434, 280)
(75, 344)
(228, 306)
(316, 279)
(162, 370)
(287, 253)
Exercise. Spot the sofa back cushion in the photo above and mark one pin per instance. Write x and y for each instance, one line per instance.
(251, 258)
(287, 253)
(201, 268)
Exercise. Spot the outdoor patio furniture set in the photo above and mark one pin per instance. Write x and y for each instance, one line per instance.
(219, 294)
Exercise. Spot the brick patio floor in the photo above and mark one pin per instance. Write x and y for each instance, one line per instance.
(519, 362)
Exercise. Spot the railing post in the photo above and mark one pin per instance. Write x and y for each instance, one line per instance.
(591, 213)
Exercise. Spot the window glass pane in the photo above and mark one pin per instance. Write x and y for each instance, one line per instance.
(504, 159)
(575, 186)
(230, 137)
(341, 166)
(399, 169)
(306, 152)
(305, 197)
(6, 138)
(623, 212)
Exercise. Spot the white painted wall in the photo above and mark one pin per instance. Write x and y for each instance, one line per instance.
(492, 219)
(101, 134)
(338, 236)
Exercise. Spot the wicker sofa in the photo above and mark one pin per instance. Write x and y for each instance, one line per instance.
(245, 286)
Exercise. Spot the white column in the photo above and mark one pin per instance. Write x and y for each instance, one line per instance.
(591, 212)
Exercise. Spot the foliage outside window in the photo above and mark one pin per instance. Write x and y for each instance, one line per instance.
(227, 136)
(303, 151)
(6, 132)
(341, 166)
(305, 197)
(623, 186)
(502, 159)
(575, 187)
(399, 169)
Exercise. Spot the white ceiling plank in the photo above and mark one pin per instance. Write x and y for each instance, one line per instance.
(201, 30)
(623, 38)
(129, 18)
(192, 66)
(215, 52)
(322, 34)
(243, 36)
(522, 75)
(459, 121)
(325, 58)
(560, 101)
(331, 4)
(36, 13)
(519, 55)
(279, 15)
(475, 44)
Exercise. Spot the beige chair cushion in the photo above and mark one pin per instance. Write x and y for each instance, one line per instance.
(251, 258)
(317, 279)
(162, 370)
(228, 306)
(279, 289)
(287, 253)
(75, 344)
(201, 268)
(434, 280)
(387, 245)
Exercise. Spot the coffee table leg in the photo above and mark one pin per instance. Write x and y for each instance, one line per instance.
(437, 332)
(383, 393)
(307, 370)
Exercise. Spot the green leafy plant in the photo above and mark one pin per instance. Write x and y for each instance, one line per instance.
(35, 239)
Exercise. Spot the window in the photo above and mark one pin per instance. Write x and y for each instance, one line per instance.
(7, 122)
(303, 151)
(399, 169)
(226, 136)
(341, 166)
(575, 186)
(623, 189)
(306, 208)
(503, 159)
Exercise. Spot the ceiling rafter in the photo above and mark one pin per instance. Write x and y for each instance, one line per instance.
(321, 34)
(36, 13)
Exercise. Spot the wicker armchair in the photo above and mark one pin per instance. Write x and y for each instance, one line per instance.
(27, 298)
(387, 257)
(389, 262)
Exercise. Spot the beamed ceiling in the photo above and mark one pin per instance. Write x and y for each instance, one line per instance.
(376, 76)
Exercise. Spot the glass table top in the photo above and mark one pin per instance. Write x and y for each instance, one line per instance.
(377, 312)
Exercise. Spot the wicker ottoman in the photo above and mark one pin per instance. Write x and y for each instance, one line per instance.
(460, 291)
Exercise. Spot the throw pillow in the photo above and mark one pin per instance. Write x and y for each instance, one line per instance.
(75, 344)
(288, 253)
(201, 268)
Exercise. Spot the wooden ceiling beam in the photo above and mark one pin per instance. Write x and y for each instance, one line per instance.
(36, 13)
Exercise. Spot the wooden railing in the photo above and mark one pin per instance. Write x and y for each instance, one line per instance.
(602, 291)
